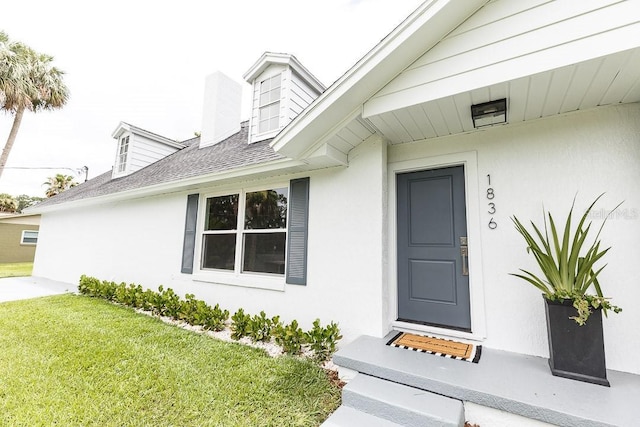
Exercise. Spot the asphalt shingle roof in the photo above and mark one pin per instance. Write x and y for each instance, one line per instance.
(191, 161)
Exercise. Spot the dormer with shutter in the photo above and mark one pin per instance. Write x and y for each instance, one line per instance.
(138, 148)
(281, 89)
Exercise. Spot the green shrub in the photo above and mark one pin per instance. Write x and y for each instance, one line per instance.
(217, 320)
(259, 327)
(239, 324)
(157, 301)
(147, 299)
(106, 290)
(128, 295)
(323, 340)
(290, 338)
(171, 304)
(193, 310)
(86, 285)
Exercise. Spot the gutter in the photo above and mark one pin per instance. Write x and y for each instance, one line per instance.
(280, 166)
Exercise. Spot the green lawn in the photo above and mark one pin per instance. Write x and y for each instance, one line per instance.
(71, 360)
(16, 269)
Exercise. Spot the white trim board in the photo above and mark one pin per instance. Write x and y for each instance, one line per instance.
(476, 285)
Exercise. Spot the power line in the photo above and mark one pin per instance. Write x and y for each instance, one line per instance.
(78, 171)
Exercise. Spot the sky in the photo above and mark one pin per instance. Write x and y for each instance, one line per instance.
(145, 63)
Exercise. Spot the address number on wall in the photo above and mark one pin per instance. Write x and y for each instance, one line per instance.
(491, 204)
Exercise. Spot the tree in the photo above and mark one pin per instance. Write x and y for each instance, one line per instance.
(28, 81)
(59, 183)
(7, 203)
(25, 201)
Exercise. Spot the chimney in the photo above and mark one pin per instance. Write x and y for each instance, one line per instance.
(221, 111)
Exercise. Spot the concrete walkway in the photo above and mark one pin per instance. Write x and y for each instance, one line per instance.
(17, 288)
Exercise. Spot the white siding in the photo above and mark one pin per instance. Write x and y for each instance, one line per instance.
(508, 40)
(144, 151)
(300, 96)
(296, 94)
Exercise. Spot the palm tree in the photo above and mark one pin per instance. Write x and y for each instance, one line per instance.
(59, 183)
(28, 81)
(7, 203)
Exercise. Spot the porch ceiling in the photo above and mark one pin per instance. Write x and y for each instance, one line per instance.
(601, 81)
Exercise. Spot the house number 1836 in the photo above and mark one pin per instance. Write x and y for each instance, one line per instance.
(491, 204)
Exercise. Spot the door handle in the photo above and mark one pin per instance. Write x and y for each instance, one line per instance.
(464, 252)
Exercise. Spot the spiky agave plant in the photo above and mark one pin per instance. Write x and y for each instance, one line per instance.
(567, 262)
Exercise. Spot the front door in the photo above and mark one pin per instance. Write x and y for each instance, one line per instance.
(433, 277)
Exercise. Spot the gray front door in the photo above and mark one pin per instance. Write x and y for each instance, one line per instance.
(433, 281)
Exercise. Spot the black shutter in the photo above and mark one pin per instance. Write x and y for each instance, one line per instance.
(298, 212)
(189, 244)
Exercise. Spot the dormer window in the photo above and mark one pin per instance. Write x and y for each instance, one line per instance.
(269, 104)
(281, 88)
(123, 150)
(137, 148)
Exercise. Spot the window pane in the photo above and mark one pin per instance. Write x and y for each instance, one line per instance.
(263, 126)
(274, 110)
(273, 123)
(219, 251)
(264, 98)
(265, 86)
(264, 252)
(30, 237)
(222, 213)
(264, 113)
(270, 90)
(275, 94)
(266, 209)
(275, 81)
(268, 117)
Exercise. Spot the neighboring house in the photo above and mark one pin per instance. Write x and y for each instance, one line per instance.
(320, 204)
(18, 237)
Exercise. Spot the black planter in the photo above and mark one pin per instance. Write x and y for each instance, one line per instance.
(575, 351)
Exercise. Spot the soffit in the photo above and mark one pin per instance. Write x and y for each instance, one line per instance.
(606, 80)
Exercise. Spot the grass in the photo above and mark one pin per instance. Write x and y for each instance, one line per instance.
(16, 269)
(75, 361)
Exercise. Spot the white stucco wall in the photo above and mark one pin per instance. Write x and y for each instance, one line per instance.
(545, 161)
(548, 162)
(140, 241)
(134, 241)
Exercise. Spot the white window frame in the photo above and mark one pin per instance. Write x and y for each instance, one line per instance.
(122, 156)
(237, 277)
(267, 105)
(24, 232)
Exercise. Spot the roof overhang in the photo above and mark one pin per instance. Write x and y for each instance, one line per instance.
(548, 93)
(23, 218)
(126, 127)
(422, 30)
(242, 175)
(269, 58)
(551, 59)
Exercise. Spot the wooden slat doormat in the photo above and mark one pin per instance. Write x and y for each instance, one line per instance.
(437, 346)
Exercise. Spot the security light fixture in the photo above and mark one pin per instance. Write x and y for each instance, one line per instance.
(489, 113)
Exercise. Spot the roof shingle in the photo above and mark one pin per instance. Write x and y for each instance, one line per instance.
(191, 161)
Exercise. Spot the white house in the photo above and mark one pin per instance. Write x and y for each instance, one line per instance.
(316, 205)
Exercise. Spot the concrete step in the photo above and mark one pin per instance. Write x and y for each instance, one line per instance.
(514, 383)
(402, 404)
(345, 416)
